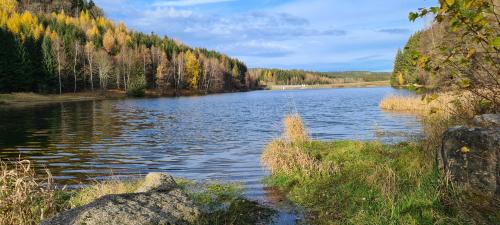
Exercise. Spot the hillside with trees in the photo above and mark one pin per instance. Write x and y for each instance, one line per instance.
(459, 52)
(69, 46)
(300, 77)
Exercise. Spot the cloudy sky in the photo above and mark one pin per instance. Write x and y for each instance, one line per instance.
(324, 35)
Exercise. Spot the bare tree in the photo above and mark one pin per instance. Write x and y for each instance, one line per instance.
(104, 66)
(89, 50)
(58, 48)
(77, 47)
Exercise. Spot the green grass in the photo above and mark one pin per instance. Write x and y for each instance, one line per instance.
(374, 184)
(220, 203)
(224, 203)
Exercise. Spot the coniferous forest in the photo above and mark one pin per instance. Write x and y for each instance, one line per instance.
(69, 46)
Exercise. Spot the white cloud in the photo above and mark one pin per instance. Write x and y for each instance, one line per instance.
(312, 34)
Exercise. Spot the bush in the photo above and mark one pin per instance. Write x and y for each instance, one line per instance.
(137, 88)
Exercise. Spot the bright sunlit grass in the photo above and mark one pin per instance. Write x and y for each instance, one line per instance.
(350, 182)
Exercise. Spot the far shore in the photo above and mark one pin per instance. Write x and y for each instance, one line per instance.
(19, 99)
(29, 98)
(385, 83)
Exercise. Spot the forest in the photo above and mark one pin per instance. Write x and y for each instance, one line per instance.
(69, 46)
(299, 77)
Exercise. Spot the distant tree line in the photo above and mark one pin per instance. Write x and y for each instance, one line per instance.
(299, 77)
(45, 50)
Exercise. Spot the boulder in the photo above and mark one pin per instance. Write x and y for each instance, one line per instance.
(157, 182)
(470, 155)
(159, 201)
(487, 120)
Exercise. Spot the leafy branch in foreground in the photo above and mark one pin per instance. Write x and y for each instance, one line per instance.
(465, 49)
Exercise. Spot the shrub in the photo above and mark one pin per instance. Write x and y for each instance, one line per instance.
(137, 88)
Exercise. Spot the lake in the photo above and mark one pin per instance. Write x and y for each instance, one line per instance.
(215, 137)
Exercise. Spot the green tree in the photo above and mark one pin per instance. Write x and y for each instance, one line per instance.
(14, 75)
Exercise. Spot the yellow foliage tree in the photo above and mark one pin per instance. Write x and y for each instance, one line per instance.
(8, 6)
(109, 41)
(192, 70)
(93, 32)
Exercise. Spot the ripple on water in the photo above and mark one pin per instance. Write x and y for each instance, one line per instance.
(212, 137)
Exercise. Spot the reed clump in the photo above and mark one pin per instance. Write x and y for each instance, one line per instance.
(25, 198)
(295, 131)
(286, 155)
(403, 103)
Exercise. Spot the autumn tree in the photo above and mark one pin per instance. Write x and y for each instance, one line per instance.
(109, 41)
(192, 70)
(104, 67)
(162, 73)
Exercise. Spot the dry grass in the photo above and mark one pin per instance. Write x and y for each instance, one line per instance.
(24, 198)
(99, 189)
(403, 103)
(295, 131)
(438, 111)
(283, 158)
(288, 157)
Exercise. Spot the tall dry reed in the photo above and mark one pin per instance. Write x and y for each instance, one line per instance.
(287, 156)
(295, 130)
(25, 199)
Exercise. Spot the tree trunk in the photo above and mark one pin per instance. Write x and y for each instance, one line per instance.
(74, 66)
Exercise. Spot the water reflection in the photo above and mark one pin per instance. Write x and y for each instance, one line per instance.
(212, 137)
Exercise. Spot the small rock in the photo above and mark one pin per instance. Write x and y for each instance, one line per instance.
(159, 208)
(487, 120)
(157, 182)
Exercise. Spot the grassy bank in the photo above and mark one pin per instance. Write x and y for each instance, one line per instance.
(349, 182)
(27, 198)
(339, 85)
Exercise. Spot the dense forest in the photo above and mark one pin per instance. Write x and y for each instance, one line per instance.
(299, 77)
(69, 46)
(459, 51)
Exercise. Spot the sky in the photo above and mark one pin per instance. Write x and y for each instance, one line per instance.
(319, 35)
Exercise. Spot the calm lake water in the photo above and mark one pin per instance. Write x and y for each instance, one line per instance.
(216, 137)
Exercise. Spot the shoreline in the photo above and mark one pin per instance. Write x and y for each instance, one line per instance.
(326, 86)
(17, 99)
(29, 98)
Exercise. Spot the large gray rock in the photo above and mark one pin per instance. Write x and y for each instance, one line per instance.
(159, 202)
(471, 155)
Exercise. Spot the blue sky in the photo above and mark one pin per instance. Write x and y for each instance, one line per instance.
(322, 35)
